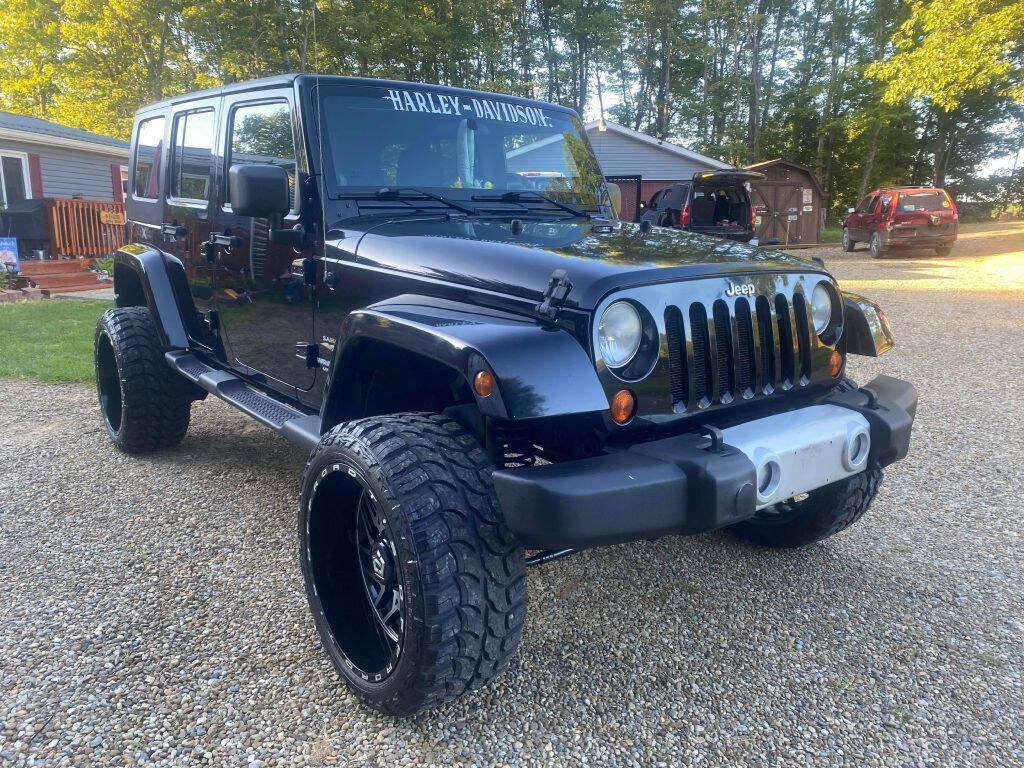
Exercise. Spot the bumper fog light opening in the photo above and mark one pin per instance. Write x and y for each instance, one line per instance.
(858, 446)
(769, 475)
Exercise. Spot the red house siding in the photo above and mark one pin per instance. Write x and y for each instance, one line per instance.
(35, 175)
(115, 179)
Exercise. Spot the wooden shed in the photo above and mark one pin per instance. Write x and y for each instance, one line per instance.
(789, 203)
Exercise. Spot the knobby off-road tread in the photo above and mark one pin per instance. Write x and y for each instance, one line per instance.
(156, 401)
(825, 512)
(471, 568)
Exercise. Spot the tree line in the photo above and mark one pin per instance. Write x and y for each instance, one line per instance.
(865, 92)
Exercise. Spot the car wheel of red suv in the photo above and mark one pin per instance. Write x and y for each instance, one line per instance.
(877, 251)
(849, 244)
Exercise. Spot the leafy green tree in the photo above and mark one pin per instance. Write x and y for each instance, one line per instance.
(948, 49)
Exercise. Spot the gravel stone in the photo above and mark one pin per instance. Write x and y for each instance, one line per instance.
(153, 611)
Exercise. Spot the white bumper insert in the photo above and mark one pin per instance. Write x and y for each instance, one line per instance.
(802, 450)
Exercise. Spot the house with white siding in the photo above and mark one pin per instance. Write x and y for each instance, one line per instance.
(42, 159)
(624, 155)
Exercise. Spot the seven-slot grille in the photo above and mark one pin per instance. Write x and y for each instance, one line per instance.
(737, 349)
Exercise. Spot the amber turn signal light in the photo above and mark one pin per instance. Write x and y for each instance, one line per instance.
(483, 383)
(835, 363)
(623, 404)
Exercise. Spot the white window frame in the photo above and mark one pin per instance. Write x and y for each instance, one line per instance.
(23, 156)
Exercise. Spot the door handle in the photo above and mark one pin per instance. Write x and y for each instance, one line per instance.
(226, 240)
(173, 229)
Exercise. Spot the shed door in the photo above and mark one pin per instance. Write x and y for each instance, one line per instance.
(778, 205)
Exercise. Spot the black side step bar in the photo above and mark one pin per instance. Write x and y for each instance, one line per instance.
(295, 426)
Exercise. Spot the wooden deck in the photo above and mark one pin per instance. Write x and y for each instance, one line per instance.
(84, 228)
(65, 276)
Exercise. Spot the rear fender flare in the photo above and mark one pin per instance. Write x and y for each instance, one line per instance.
(539, 372)
(144, 275)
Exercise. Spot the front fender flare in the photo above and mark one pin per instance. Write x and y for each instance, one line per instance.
(539, 372)
(867, 331)
(164, 289)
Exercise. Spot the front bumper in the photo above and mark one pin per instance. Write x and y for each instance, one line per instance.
(689, 484)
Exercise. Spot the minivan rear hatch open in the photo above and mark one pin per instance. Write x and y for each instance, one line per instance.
(725, 175)
(720, 202)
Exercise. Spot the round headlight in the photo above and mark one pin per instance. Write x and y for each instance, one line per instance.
(821, 307)
(619, 333)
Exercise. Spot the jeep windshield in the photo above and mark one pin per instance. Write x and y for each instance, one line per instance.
(462, 147)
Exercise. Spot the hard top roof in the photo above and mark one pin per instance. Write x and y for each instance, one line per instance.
(308, 80)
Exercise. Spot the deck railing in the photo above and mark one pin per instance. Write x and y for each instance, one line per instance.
(84, 228)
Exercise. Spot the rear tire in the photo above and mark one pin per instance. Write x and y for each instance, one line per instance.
(824, 512)
(417, 588)
(145, 403)
(944, 251)
(849, 244)
(876, 248)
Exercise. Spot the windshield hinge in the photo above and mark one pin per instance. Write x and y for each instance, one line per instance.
(555, 295)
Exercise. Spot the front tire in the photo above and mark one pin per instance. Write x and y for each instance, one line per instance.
(417, 588)
(145, 404)
(849, 244)
(823, 512)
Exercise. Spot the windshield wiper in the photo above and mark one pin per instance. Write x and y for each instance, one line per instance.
(515, 195)
(385, 193)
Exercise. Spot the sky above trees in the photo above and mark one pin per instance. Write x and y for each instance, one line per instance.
(866, 92)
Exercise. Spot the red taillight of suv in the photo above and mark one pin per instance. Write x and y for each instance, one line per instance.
(683, 216)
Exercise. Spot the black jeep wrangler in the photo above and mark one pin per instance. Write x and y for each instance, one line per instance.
(428, 289)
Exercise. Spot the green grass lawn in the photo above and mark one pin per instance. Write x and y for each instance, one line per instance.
(49, 340)
(832, 235)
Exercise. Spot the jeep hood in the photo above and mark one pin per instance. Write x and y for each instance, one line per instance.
(483, 253)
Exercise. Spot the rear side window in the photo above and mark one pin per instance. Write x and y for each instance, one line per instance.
(932, 200)
(192, 155)
(262, 134)
(676, 196)
(148, 158)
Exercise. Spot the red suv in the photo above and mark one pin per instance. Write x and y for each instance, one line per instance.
(902, 217)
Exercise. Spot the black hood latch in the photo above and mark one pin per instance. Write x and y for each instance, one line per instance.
(555, 295)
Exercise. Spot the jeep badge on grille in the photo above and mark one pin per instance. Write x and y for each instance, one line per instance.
(735, 289)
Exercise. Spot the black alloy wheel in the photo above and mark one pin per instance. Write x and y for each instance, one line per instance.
(382, 589)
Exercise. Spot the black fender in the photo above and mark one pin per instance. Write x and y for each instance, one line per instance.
(538, 371)
(867, 331)
(146, 276)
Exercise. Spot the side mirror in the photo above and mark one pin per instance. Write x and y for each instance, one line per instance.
(851, 210)
(259, 190)
(616, 195)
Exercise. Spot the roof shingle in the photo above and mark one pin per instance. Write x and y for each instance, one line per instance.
(15, 122)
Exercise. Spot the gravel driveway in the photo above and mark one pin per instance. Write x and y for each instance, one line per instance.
(152, 609)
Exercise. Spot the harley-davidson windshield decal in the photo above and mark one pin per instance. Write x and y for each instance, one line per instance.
(483, 109)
